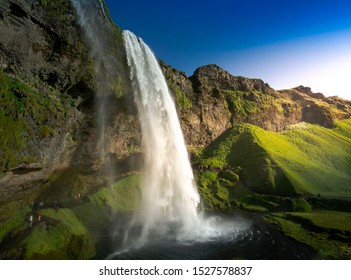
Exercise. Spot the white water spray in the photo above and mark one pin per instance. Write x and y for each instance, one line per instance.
(169, 193)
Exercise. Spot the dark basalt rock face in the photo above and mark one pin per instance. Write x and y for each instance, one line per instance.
(215, 77)
(45, 49)
(43, 42)
(54, 87)
(42, 47)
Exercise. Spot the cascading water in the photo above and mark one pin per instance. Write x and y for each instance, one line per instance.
(170, 198)
(96, 34)
(103, 8)
(85, 10)
(168, 212)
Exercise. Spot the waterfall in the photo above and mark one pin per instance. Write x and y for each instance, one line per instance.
(103, 8)
(169, 195)
(96, 37)
(169, 206)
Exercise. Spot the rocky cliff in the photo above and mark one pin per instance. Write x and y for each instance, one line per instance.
(66, 121)
(212, 100)
(55, 86)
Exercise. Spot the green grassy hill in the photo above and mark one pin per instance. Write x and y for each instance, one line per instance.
(304, 159)
(298, 180)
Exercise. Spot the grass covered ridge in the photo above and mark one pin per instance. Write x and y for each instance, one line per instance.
(314, 159)
(328, 232)
(305, 159)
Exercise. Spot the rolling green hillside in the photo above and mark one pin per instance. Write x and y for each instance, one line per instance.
(304, 159)
(298, 180)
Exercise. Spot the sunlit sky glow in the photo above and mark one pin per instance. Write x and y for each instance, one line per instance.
(285, 43)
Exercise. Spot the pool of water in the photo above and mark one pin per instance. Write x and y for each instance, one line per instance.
(242, 237)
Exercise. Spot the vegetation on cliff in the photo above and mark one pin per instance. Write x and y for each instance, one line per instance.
(28, 120)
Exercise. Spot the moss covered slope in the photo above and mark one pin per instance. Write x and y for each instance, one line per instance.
(305, 159)
(69, 230)
(28, 119)
(62, 236)
(328, 232)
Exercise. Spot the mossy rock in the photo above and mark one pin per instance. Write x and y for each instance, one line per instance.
(28, 120)
(13, 218)
(60, 235)
(230, 176)
(300, 205)
(100, 207)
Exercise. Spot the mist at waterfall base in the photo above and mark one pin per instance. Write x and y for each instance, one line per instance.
(252, 239)
(168, 224)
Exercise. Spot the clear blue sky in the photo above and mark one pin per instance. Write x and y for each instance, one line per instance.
(285, 43)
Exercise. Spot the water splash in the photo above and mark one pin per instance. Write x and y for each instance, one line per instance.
(170, 198)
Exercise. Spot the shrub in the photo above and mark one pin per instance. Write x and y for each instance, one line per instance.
(300, 205)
